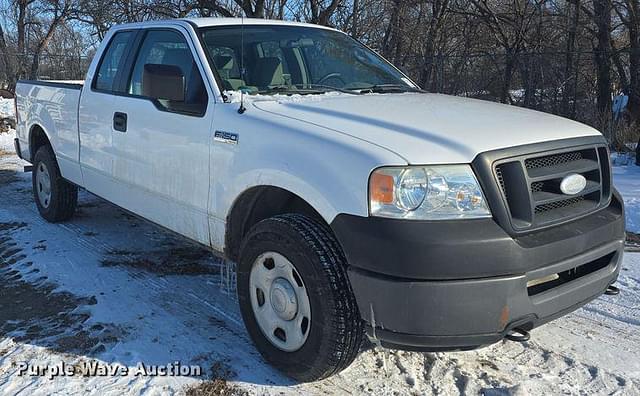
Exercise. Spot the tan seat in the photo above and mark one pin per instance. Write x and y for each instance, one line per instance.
(224, 65)
(268, 72)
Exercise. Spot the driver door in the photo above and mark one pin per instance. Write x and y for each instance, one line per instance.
(161, 147)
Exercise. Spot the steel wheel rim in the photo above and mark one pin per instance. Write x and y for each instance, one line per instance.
(280, 301)
(43, 185)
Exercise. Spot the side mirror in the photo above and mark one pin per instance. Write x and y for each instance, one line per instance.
(163, 82)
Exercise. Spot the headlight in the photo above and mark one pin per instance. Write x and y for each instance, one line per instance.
(438, 192)
(412, 188)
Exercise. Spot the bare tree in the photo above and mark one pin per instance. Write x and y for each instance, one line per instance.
(321, 13)
(570, 77)
(602, 54)
(6, 60)
(509, 25)
(629, 13)
(60, 11)
(564, 56)
(439, 10)
(22, 24)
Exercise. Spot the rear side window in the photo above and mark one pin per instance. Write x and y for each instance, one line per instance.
(165, 47)
(112, 61)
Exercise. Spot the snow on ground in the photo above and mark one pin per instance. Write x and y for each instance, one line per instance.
(6, 141)
(626, 178)
(6, 108)
(106, 287)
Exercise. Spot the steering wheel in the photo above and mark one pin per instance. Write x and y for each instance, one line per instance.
(329, 76)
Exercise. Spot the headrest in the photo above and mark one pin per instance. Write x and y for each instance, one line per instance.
(223, 62)
(268, 71)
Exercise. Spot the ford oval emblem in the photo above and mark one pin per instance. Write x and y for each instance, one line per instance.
(573, 184)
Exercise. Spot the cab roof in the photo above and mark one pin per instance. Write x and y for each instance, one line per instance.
(211, 22)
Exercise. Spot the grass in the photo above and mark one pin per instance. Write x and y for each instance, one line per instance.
(217, 384)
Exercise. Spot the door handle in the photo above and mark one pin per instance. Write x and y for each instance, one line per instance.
(120, 122)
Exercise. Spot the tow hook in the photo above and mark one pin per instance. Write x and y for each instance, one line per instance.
(612, 291)
(518, 335)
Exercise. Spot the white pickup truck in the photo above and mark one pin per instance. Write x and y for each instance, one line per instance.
(352, 202)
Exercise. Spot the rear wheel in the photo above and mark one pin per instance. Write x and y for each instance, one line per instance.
(295, 298)
(55, 197)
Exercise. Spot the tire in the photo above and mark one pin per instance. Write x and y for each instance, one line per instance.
(63, 196)
(336, 329)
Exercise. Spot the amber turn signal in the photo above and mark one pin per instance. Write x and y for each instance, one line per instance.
(381, 188)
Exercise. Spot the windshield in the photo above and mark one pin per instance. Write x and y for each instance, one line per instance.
(297, 59)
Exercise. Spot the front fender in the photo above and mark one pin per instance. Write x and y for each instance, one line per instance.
(327, 169)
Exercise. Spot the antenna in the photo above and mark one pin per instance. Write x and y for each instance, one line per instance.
(242, 109)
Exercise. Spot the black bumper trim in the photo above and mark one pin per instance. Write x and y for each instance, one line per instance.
(440, 311)
(466, 342)
(425, 343)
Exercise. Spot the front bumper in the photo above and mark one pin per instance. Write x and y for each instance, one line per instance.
(463, 284)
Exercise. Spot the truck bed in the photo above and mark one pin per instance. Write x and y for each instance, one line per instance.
(71, 84)
(54, 106)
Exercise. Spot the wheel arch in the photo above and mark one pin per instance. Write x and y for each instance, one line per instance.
(38, 137)
(258, 203)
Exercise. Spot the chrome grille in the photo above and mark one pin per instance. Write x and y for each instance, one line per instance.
(530, 185)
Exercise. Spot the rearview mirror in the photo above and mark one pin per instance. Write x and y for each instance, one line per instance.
(163, 82)
(303, 42)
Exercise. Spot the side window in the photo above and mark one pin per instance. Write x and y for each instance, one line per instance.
(112, 62)
(165, 47)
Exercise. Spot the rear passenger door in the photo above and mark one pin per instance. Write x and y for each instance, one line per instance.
(95, 114)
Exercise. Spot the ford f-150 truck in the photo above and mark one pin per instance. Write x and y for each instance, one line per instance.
(353, 203)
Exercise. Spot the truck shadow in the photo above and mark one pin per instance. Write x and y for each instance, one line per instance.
(8, 176)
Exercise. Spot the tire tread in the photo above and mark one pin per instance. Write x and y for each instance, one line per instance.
(64, 195)
(346, 326)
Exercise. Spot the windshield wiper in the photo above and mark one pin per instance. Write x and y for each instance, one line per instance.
(289, 90)
(389, 88)
(329, 88)
(319, 88)
(313, 89)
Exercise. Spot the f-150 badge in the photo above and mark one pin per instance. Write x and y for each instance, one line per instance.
(226, 137)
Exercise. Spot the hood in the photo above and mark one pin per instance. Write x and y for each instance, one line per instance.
(428, 128)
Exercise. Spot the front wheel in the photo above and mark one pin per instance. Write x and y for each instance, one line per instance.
(295, 298)
(55, 197)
